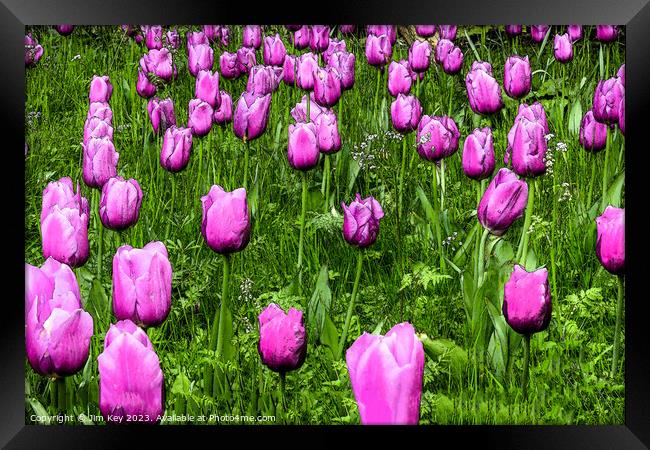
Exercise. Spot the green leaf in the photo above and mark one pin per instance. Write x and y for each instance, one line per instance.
(330, 336)
(377, 329)
(97, 304)
(503, 252)
(319, 304)
(531, 260)
(181, 385)
(452, 355)
(353, 172)
(575, 117)
(84, 419)
(613, 196)
(40, 410)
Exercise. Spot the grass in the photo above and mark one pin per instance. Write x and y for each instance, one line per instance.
(570, 361)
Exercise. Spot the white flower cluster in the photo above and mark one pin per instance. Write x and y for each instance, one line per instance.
(365, 155)
(245, 291)
(450, 241)
(566, 194)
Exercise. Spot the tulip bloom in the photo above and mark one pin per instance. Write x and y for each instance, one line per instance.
(283, 339)
(606, 33)
(425, 31)
(386, 375)
(399, 78)
(327, 86)
(514, 30)
(307, 64)
(517, 76)
(503, 202)
(251, 115)
(99, 161)
(176, 148)
(100, 110)
(33, 51)
(327, 128)
(223, 114)
(334, 46)
(64, 30)
(226, 221)
(289, 70)
(200, 117)
(610, 244)
(593, 134)
(142, 284)
(303, 149)
(437, 137)
(344, 63)
(200, 57)
(152, 36)
(274, 51)
(449, 56)
(263, 80)
(420, 56)
(206, 88)
(119, 207)
(100, 89)
(537, 32)
(196, 38)
(527, 301)
(361, 221)
(144, 86)
(64, 223)
(447, 31)
(245, 59)
(483, 91)
(620, 73)
(252, 36)
(131, 381)
(161, 114)
(405, 112)
(621, 116)
(389, 30)
(528, 148)
(378, 50)
(57, 330)
(347, 29)
(172, 39)
(158, 62)
(574, 32)
(563, 48)
(97, 128)
(478, 154)
(228, 65)
(302, 37)
(319, 38)
(607, 98)
(299, 112)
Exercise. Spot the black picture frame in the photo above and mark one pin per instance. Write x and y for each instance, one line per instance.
(635, 14)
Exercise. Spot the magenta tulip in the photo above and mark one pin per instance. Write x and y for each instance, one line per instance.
(389, 30)
(319, 38)
(119, 206)
(99, 161)
(574, 32)
(226, 221)
(329, 140)
(399, 78)
(100, 89)
(503, 202)
(425, 30)
(307, 64)
(200, 57)
(303, 152)
(100, 110)
(274, 51)
(514, 30)
(54, 285)
(144, 86)
(152, 36)
(228, 65)
(251, 115)
(593, 134)
(610, 244)
(161, 114)
(447, 31)
(405, 113)
(196, 38)
(347, 29)
(607, 98)
(528, 148)
(527, 300)
(563, 49)
(95, 127)
(420, 56)
(64, 30)
(606, 33)
(327, 86)
(361, 221)
(449, 56)
(302, 37)
(158, 62)
(289, 70)
(200, 117)
(299, 112)
(33, 51)
(517, 76)
(263, 80)
(334, 46)
(437, 137)
(621, 116)
(245, 59)
(252, 36)
(538, 32)
(344, 63)
(223, 114)
(176, 148)
(283, 339)
(483, 90)
(172, 39)
(206, 88)
(386, 374)
(378, 50)
(478, 154)
(620, 73)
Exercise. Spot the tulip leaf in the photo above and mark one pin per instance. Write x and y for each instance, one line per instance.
(181, 385)
(40, 410)
(575, 117)
(319, 304)
(330, 336)
(531, 260)
(498, 347)
(98, 304)
(503, 252)
(377, 330)
(448, 352)
(228, 348)
(353, 172)
(613, 196)
(601, 63)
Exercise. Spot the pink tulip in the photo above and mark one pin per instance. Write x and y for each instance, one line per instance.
(319, 38)
(361, 221)
(425, 30)
(274, 51)
(161, 114)
(302, 37)
(329, 140)
(283, 339)
(228, 65)
(176, 148)
(152, 36)
(378, 50)
(593, 134)
(144, 86)
(610, 244)
(563, 49)
(503, 202)
(399, 78)
(206, 88)
(483, 90)
(251, 115)
(99, 161)
(344, 63)
(527, 301)
(478, 154)
(100, 110)
(307, 64)
(245, 59)
(119, 206)
(575, 32)
(226, 221)
(334, 46)
(420, 56)
(223, 114)
(517, 76)
(252, 36)
(447, 31)
(327, 86)
(263, 80)
(538, 32)
(449, 56)
(405, 113)
(302, 151)
(200, 57)
(100, 89)
(158, 62)
(289, 70)
(437, 137)
(200, 117)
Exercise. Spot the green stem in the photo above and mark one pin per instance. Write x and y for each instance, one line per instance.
(603, 200)
(481, 255)
(617, 330)
(308, 118)
(100, 240)
(171, 215)
(198, 175)
(436, 214)
(524, 376)
(326, 183)
(348, 316)
(302, 220)
(522, 251)
(246, 154)
(61, 395)
(401, 179)
(591, 183)
(283, 381)
(377, 88)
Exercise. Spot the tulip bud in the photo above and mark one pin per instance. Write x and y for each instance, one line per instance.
(405, 112)
(517, 76)
(54, 285)
(334, 46)
(99, 161)
(64, 223)
(538, 32)
(563, 48)
(100, 110)
(389, 30)
(274, 51)
(33, 51)
(158, 62)
(245, 59)
(119, 207)
(327, 128)
(307, 64)
(449, 56)
(361, 221)
(131, 382)
(200, 117)
(347, 29)
(513, 30)
(97, 128)
(437, 137)
(126, 326)
(196, 38)
(229, 66)
(152, 36)
(252, 36)
(378, 50)
(226, 221)
(503, 202)
(606, 33)
(302, 37)
(100, 89)
(425, 31)
(386, 376)
(344, 63)
(527, 300)
(302, 149)
(399, 78)
(251, 115)
(607, 98)
(64, 30)
(223, 114)
(200, 57)
(289, 70)
(176, 148)
(420, 55)
(319, 38)
(574, 32)
(263, 80)
(144, 87)
(206, 88)
(161, 114)
(483, 91)
(478, 154)
(172, 39)
(447, 31)
(283, 339)
(593, 134)
(610, 244)
(327, 86)
(528, 148)
(142, 284)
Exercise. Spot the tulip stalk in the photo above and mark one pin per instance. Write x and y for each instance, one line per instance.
(524, 376)
(326, 182)
(522, 251)
(303, 210)
(100, 236)
(283, 381)
(348, 316)
(617, 330)
(61, 395)
(246, 155)
(603, 200)
(436, 214)
(377, 88)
